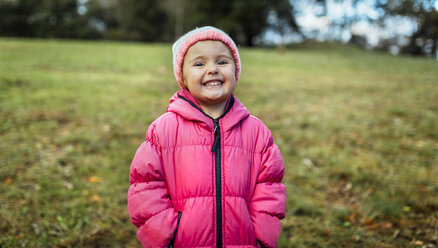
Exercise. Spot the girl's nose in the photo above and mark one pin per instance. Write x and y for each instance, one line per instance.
(212, 69)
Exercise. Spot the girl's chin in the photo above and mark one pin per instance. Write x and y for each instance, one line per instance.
(214, 92)
(215, 99)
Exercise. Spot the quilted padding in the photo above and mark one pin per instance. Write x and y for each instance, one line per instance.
(173, 171)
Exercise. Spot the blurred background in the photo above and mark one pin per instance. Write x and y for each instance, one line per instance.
(81, 81)
(399, 26)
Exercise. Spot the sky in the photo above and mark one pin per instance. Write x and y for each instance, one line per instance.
(319, 28)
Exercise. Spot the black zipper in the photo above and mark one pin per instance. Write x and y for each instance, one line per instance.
(216, 148)
(176, 231)
(179, 219)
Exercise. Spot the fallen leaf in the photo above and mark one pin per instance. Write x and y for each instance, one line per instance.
(374, 226)
(406, 208)
(39, 146)
(68, 185)
(52, 147)
(308, 163)
(387, 225)
(106, 128)
(95, 198)
(371, 224)
(8, 180)
(36, 229)
(351, 218)
(418, 242)
(420, 143)
(95, 179)
(347, 187)
(368, 221)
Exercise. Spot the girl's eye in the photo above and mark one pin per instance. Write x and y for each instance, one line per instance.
(199, 64)
(222, 62)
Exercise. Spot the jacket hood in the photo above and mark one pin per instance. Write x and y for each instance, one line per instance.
(187, 110)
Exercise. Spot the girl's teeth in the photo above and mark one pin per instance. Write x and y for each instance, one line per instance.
(213, 83)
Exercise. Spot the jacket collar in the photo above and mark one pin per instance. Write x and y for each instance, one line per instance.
(186, 108)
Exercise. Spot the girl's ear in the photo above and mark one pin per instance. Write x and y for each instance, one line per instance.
(183, 81)
(184, 84)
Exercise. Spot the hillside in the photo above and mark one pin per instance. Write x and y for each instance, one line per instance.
(357, 131)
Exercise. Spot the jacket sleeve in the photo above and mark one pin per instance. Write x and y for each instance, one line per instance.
(149, 205)
(268, 203)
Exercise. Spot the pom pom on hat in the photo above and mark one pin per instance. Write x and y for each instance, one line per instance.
(182, 45)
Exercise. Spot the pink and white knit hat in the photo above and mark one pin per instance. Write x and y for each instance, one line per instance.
(182, 45)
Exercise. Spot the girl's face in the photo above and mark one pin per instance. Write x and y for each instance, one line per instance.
(209, 72)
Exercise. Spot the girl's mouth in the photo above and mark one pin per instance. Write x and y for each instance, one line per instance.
(213, 83)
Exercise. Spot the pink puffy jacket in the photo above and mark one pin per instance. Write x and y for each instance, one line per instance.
(200, 182)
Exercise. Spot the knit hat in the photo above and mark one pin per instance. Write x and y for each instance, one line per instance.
(182, 45)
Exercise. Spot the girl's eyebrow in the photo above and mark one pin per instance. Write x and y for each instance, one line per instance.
(203, 57)
(196, 58)
(224, 56)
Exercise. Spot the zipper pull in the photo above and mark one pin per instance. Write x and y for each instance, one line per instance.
(216, 136)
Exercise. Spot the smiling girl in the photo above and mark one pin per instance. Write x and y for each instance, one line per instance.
(208, 173)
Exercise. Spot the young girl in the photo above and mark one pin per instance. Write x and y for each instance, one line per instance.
(208, 173)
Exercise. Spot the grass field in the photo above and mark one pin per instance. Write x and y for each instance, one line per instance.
(357, 130)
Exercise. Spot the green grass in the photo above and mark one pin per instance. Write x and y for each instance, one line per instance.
(357, 130)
